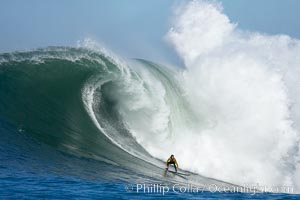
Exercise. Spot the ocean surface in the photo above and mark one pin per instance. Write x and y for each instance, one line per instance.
(78, 123)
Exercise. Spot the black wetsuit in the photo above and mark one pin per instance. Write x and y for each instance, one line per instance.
(173, 163)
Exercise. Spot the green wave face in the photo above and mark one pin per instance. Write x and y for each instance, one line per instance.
(85, 103)
(41, 94)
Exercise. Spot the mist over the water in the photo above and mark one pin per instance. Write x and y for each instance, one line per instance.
(232, 114)
(244, 86)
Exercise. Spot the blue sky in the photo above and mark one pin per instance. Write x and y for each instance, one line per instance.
(132, 28)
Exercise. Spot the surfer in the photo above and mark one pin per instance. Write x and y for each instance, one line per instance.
(173, 161)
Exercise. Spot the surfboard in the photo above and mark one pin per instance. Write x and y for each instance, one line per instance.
(182, 175)
(179, 173)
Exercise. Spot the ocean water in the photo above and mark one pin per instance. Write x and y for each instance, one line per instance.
(78, 123)
(81, 122)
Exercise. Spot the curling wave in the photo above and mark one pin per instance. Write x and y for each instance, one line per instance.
(228, 111)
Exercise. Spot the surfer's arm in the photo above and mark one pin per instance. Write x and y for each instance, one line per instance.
(167, 162)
